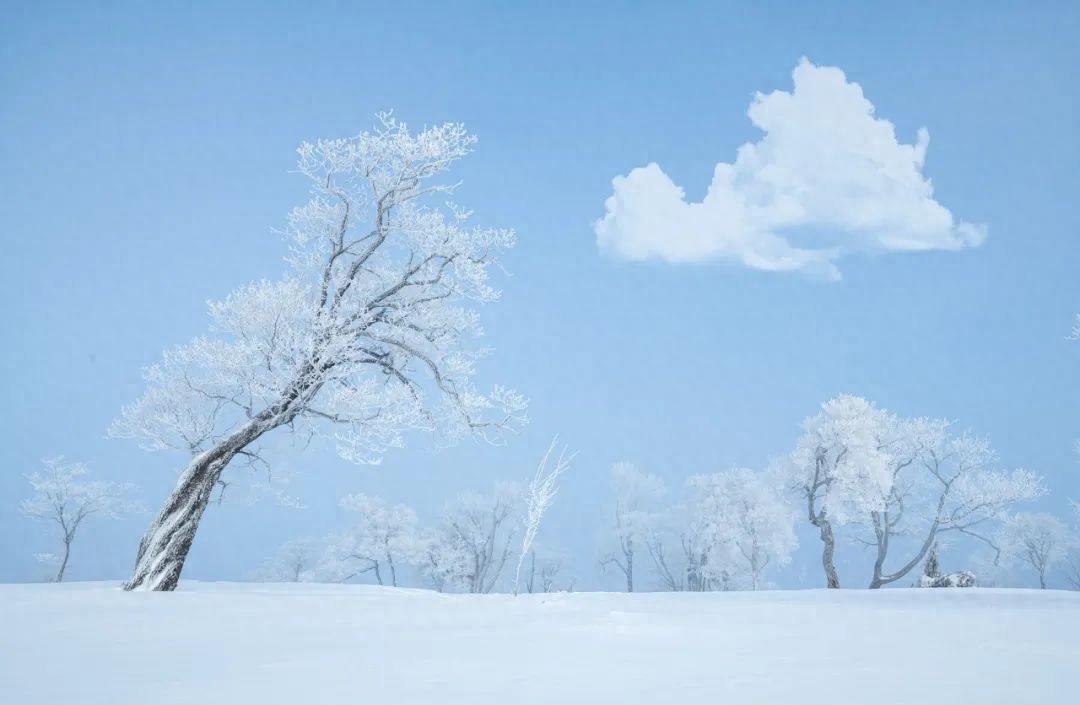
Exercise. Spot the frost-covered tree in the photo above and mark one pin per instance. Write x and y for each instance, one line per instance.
(538, 496)
(295, 561)
(940, 483)
(840, 469)
(635, 517)
(1036, 539)
(744, 521)
(732, 526)
(472, 544)
(63, 497)
(382, 539)
(892, 478)
(364, 339)
(679, 544)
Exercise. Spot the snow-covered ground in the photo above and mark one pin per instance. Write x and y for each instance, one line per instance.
(261, 644)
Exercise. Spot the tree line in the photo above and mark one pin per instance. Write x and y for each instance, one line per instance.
(372, 334)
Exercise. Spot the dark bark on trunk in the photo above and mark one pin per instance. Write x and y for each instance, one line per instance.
(164, 548)
(832, 579)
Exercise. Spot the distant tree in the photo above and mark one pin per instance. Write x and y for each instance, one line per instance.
(680, 546)
(381, 540)
(296, 561)
(471, 546)
(363, 340)
(543, 570)
(539, 495)
(635, 517)
(931, 568)
(745, 522)
(1036, 539)
(61, 496)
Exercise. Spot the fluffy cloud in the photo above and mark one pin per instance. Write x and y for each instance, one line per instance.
(827, 179)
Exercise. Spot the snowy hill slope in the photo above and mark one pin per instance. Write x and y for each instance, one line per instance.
(211, 644)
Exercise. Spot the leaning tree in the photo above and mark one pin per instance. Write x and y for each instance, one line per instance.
(366, 337)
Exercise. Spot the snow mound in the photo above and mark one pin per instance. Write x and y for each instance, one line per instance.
(211, 644)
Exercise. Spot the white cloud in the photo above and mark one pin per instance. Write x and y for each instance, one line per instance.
(827, 179)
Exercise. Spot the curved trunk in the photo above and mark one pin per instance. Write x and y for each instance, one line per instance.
(64, 562)
(165, 546)
(879, 578)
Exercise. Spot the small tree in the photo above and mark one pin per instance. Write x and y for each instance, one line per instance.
(62, 497)
(382, 539)
(635, 517)
(1036, 539)
(471, 546)
(366, 338)
(296, 561)
(543, 569)
(745, 523)
(539, 495)
(931, 569)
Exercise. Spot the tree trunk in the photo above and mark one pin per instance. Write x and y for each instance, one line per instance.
(879, 578)
(832, 579)
(64, 562)
(393, 570)
(378, 573)
(165, 546)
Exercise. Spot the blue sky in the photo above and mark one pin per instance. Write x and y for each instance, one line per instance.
(148, 153)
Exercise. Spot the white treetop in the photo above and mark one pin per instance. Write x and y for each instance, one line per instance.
(539, 495)
(365, 338)
(1038, 540)
(636, 516)
(471, 546)
(295, 561)
(63, 497)
(941, 482)
(383, 539)
(843, 468)
(744, 520)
